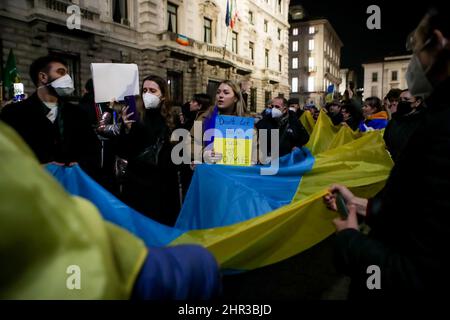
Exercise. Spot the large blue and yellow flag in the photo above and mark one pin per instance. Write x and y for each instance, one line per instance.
(53, 245)
(248, 220)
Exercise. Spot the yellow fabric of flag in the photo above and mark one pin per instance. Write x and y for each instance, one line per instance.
(359, 161)
(53, 245)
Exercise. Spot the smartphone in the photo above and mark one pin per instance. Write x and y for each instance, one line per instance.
(19, 94)
(131, 103)
(341, 205)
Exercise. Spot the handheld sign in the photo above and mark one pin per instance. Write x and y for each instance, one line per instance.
(114, 81)
(233, 139)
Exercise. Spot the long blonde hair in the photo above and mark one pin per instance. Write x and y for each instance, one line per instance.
(239, 107)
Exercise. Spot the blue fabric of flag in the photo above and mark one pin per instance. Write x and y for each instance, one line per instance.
(76, 182)
(228, 15)
(223, 195)
(210, 123)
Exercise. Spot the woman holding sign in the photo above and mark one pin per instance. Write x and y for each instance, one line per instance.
(151, 182)
(229, 101)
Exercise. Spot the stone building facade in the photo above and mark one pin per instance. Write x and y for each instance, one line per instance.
(148, 32)
(314, 57)
(385, 74)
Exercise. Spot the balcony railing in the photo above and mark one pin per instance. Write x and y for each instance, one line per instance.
(56, 11)
(206, 49)
(214, 49)
(61, 7)
(271, 76)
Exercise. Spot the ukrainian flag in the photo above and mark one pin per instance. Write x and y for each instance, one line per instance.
(248, 220)
(330, 93)
(53, 245)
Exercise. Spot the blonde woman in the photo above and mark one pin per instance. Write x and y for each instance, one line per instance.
(228, 101)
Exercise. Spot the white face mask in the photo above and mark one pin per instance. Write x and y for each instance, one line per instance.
(63, 85)
(418, 83)
(293, 109)
(276, 113)
(150, 101)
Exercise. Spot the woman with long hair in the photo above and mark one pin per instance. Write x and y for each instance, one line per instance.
(228, 101)
(151, 183)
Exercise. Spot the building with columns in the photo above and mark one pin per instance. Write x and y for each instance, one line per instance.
(314, 57)
(385, 74)
(186, 41)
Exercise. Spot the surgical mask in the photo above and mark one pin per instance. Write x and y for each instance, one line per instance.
(418, 83)
(63, 85)
(150, 101)
(276, 113)
(293, 109)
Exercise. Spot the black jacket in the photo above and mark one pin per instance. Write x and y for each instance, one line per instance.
(189, 117)
(69, 139)
(409, 236)
(399, 130)
(150, 189)
(336, 118)
(292, 133)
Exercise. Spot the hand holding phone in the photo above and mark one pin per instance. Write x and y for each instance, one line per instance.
(341, 205)
(132, 110)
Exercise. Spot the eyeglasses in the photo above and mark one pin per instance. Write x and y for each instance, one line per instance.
(411, 43)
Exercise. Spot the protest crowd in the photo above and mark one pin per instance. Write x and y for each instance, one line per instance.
(127, 147)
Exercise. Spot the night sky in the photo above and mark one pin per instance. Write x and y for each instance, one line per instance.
(398, 19)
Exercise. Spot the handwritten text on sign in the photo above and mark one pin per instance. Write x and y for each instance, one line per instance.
(233, 139)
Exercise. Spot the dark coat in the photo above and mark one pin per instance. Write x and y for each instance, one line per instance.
(292, 133)
(410, 219)
(189, 117)
(151, 190)
(69, 139)
(399, 130)
(336, 118)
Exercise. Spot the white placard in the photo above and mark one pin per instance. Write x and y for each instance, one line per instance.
(114, 81)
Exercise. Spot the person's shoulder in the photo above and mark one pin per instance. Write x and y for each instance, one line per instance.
(74, 108)
(264, 123)
(201, 116)
(17, 108)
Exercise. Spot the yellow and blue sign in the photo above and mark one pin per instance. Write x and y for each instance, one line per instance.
(233, 139)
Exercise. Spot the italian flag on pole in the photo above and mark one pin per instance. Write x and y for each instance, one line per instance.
(230, 17)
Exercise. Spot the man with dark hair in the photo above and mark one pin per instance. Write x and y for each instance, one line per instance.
(53, 128)
(291, 131)
(405, 254)
(294, 106)
(404, 122)
(393, 97)
(333, 110)
(351, 115)
(199, 103)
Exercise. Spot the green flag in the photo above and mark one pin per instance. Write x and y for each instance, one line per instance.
(10, 75)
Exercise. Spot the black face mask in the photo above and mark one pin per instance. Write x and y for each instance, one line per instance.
(403, 108)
